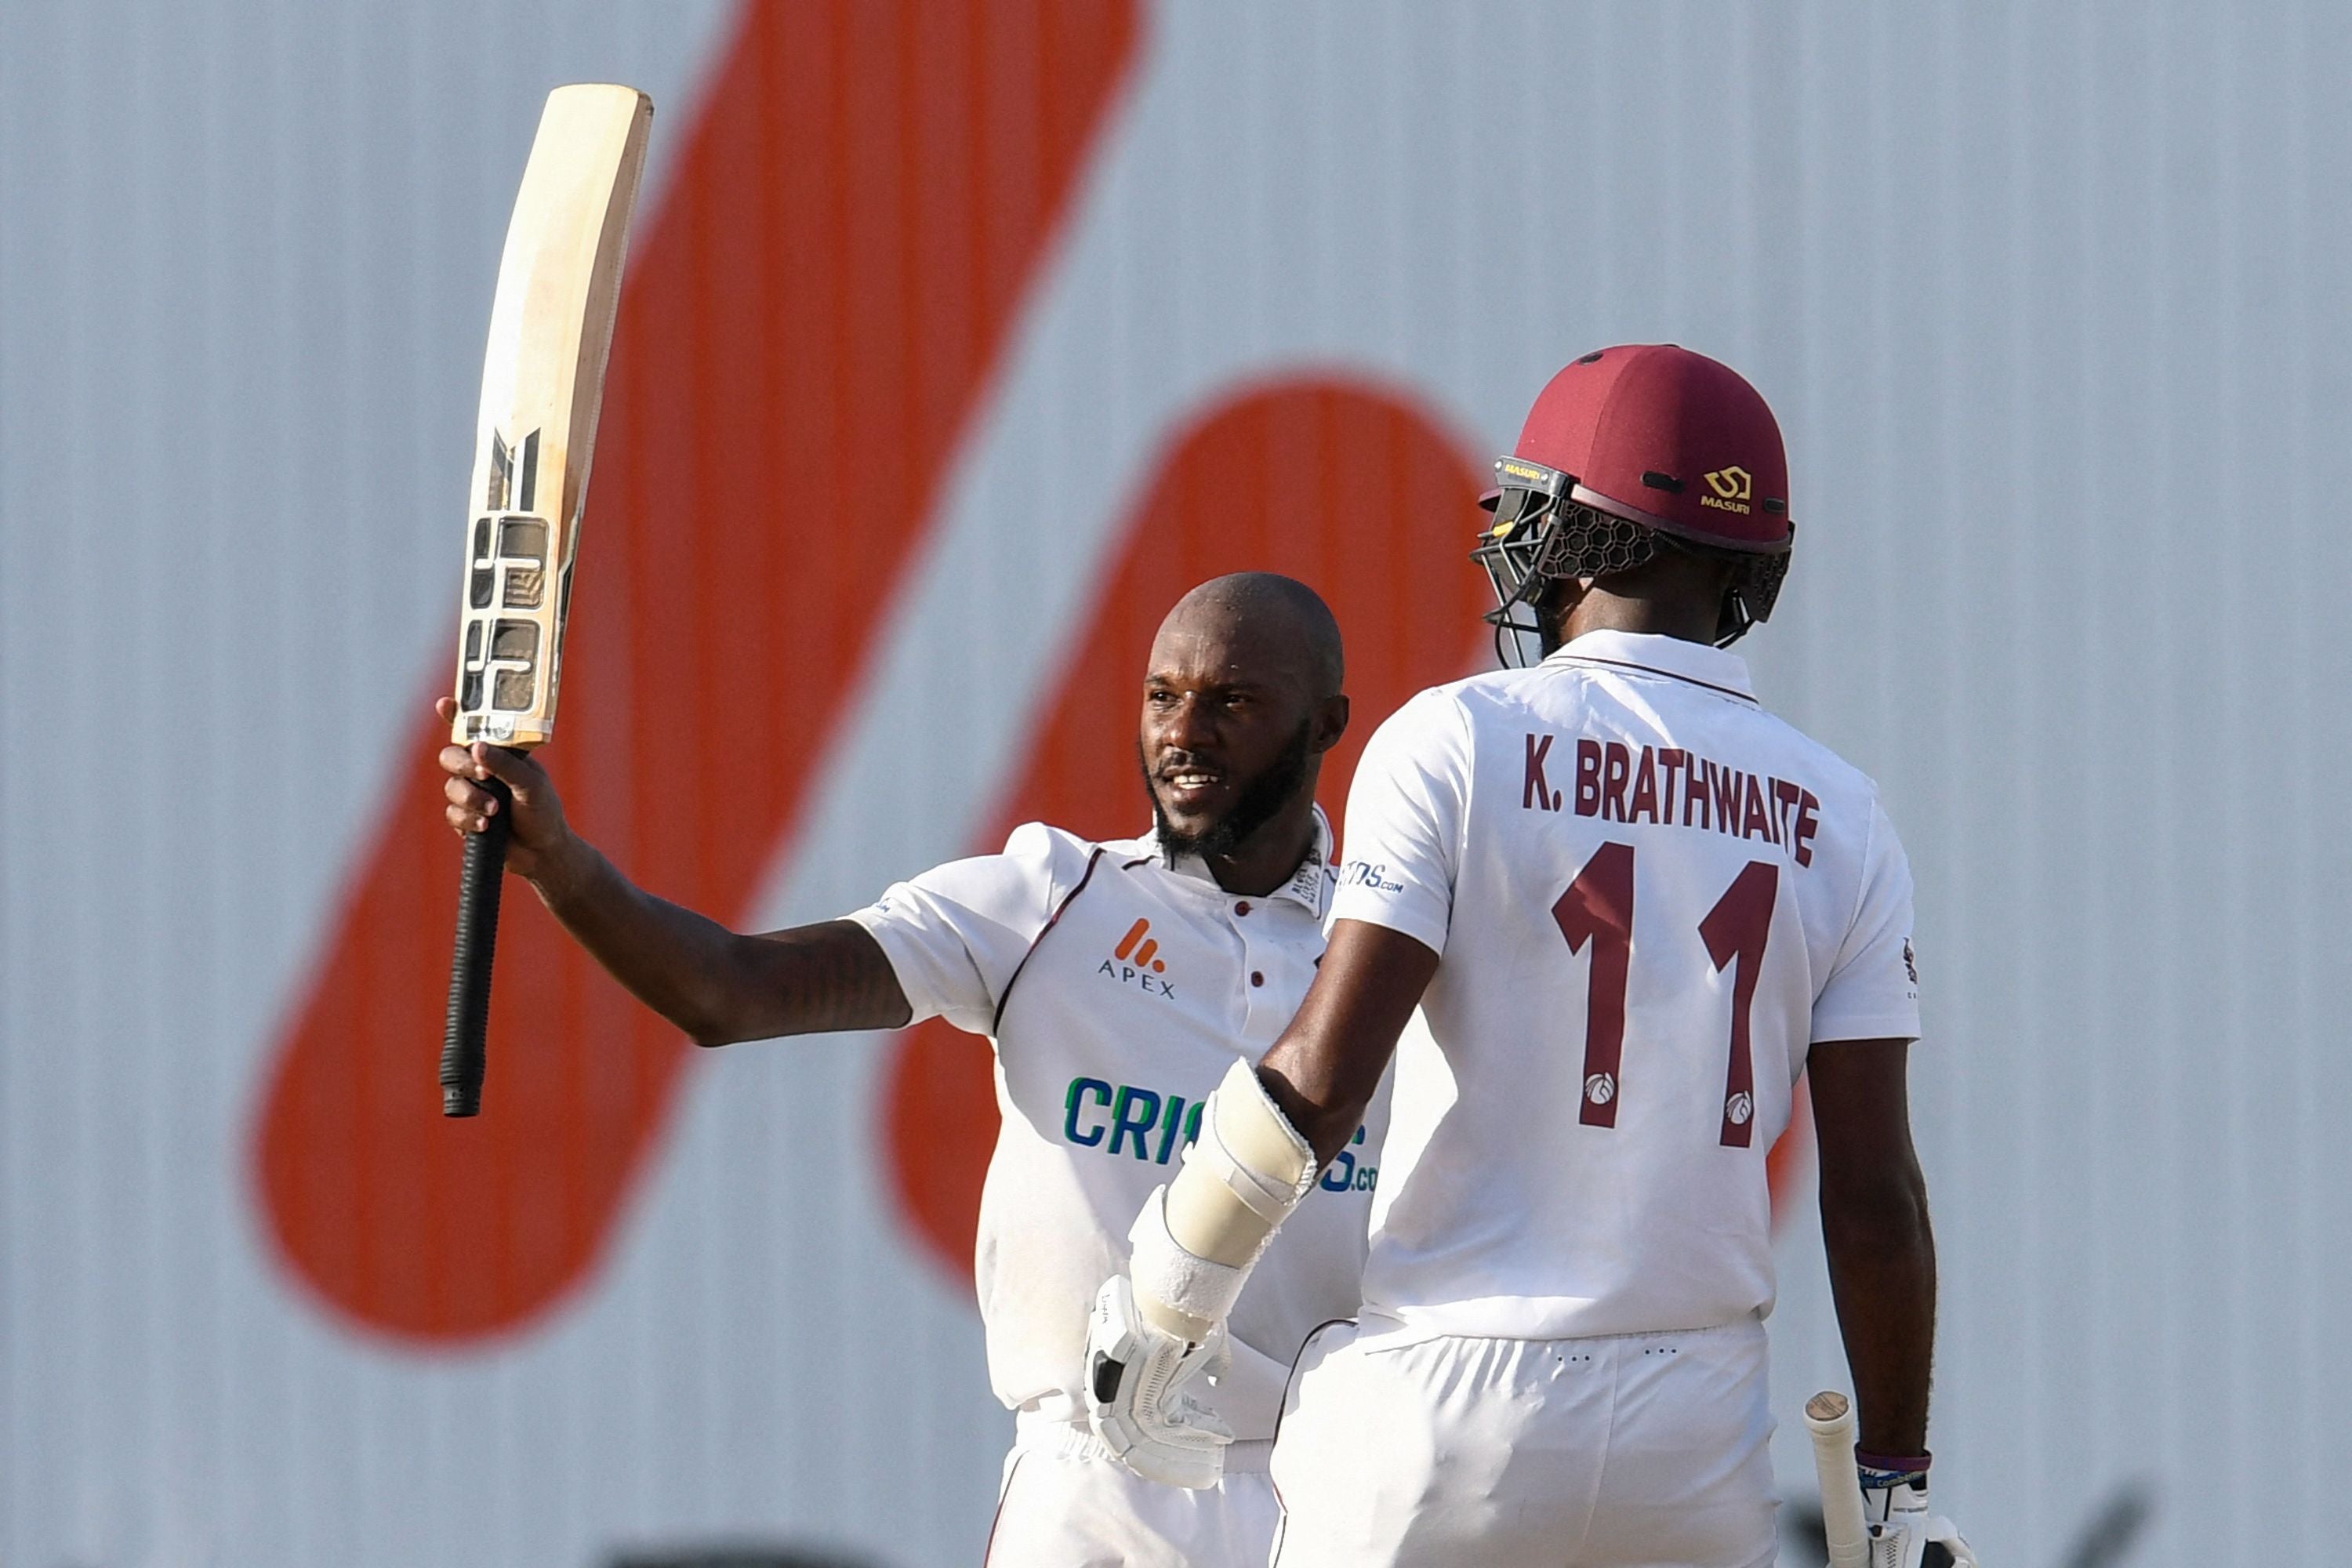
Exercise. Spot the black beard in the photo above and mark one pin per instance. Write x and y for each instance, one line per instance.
(1261, 799)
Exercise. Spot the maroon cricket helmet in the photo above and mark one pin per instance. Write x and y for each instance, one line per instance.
(1627, 444)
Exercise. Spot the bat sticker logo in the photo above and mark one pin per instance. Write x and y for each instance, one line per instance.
(508, 570)
(502, 474)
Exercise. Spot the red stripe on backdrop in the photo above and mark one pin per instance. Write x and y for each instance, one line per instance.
(1348, 487)
(806, 333)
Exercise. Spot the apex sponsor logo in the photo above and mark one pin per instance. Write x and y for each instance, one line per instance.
(1733, 487)
(1138, 945)
(1135, 962)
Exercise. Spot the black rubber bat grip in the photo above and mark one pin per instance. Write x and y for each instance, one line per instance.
(469, 967)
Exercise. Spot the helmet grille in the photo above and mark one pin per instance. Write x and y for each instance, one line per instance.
(1592, 544)
(1556, 539)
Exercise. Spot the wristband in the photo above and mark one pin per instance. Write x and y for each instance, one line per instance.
(1890, 1470)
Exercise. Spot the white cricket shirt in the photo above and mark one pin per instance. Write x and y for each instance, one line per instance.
(1117, 992)
(1649, 898)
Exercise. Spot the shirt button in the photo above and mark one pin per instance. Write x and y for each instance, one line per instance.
(1242, 908)
(1257, 978)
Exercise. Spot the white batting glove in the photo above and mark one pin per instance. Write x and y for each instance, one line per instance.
(1903, 1533)
(1137, 1377)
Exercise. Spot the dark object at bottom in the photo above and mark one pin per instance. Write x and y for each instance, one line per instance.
(742, 1557)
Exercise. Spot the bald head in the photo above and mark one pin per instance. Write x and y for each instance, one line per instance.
(1240, 702)
(1272, 626)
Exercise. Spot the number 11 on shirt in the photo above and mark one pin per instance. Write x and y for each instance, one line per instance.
(1598, 909)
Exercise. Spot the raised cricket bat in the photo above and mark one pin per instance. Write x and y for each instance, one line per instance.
(542, 379)
(1830, 1416)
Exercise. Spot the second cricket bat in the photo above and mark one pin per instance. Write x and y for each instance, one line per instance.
(1830, 1417)
(542, 380)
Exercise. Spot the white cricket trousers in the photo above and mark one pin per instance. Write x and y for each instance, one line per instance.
(1648, 1450)
(1067, 1503)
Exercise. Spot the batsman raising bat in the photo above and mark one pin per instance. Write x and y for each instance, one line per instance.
(1118, 982)
(542, 383)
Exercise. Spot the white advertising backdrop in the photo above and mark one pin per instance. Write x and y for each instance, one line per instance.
(2049, 301)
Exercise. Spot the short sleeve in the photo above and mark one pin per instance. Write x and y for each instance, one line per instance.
(955, 934)
(1405, 811)
(1873, 991)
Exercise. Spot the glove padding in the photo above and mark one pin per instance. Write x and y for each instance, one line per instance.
(1138, 1376)
(1903, 1533)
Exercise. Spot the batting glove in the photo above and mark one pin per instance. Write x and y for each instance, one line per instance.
(1137, 1378)
(1903, 1533)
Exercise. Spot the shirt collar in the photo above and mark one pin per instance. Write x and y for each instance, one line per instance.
(1718, 669)
(1309, 886)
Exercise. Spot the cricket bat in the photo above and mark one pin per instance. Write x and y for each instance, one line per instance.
(542, 379)
(1830, 1416)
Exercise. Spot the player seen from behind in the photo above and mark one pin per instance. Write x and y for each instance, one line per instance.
(1118, 982)
(1632, 905)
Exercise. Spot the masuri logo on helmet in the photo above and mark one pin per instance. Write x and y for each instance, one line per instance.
(1732, 486)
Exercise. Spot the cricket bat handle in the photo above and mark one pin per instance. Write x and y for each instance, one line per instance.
(479, 882)
(1830, 1416)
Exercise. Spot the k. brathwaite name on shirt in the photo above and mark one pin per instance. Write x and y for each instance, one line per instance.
(1674, 788)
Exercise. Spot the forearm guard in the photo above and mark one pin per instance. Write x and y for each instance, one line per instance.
(1198, 1238)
